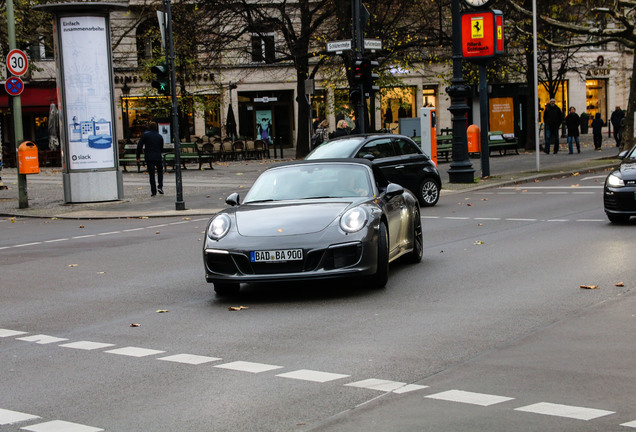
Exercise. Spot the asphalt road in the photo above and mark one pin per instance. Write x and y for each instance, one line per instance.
(491, 332)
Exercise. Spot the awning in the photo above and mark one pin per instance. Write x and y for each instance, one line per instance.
(33, 99)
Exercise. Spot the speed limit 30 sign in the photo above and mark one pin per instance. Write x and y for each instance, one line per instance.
(17, 62)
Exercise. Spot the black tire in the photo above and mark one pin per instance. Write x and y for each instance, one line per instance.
(415, 255)
(428, 193)
(381, 276)
(617, 218)
(226, 288)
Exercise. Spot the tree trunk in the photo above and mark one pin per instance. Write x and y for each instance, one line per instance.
(628, 131)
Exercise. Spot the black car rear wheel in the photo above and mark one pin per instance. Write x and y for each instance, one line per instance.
(428, 194)
(617, 218)
(226, 288)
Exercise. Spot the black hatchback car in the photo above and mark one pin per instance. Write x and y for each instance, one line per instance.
(619, 193)
(400, 159)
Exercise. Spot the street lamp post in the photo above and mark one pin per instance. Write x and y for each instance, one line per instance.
(125, 91)
(461, 169)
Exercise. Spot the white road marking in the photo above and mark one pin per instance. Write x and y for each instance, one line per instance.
(135, 351)
(109, 233)
(60, 426)
(9, 417)
(87, 345)
(9, 333)
(56, 240)
(244, 366)
(27, 244)
(85, 236)
(134, 229)
(311, 375)
(480, 399)
(631, 424)
(386, 386)
(189, 359)
(568, 411)
(42, 339)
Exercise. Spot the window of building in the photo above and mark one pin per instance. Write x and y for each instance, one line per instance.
(429, 96)
(596, 97)
(148, 40)
(397, 103)
(263, 48)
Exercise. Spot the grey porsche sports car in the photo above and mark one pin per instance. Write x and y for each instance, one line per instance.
(313, 219)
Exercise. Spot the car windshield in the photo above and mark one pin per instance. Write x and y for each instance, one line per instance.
(310, 181)
(342, 148)
(631, 154)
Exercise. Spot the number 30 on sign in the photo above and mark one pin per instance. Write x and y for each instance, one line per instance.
(17, 62)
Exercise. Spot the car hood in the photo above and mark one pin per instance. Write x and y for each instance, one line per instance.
(291, 219)
(628, 170)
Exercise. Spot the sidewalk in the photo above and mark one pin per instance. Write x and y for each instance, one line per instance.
(204, 191)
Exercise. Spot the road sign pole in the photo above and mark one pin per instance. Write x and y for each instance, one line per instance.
(23, 196)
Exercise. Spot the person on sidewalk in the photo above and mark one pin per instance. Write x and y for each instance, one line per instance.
(552, 118)
(151, 143)
(573, 121)
(597, 130)
(617, 123)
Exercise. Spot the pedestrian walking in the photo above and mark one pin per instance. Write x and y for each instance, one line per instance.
(597, 130)
(572, 122)
(342, 129)
(321, 135)
(151, 143)
(552, 118)
(617, 123)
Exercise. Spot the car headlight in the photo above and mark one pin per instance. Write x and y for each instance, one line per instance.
(615, 181)
(219, 227)
(354, 220)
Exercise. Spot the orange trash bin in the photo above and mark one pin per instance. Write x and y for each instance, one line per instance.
(28, 162)
(474, 139)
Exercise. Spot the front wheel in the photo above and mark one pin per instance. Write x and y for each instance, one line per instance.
(617, 218)
(381, 276)
(226, 288)
(415, 255)
(428, 194)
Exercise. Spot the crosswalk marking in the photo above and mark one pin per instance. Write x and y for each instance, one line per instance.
(9, 333)
(244, 366)
(631, 424)
(87, 345)
(42, 339)
(60, 426)
(135, 351)
(470, 397)
(385, 385)
(311, 375)
(568, 411)
(10, 417)
(189, 359)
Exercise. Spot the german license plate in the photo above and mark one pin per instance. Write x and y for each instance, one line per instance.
(276, 255)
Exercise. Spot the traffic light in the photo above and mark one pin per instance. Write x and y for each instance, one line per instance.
(358, 72)
(161, 81)
(370, 76)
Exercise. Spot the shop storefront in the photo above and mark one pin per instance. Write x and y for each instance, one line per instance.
(267, 115)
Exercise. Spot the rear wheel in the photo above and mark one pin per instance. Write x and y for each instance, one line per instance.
(226, 288)
(617, 218)
(418, 243)
(381, 276)
(428, 194)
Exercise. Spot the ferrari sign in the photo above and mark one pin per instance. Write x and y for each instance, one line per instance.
(482, 34)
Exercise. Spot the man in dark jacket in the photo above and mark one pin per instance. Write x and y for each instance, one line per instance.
(617, 123)
(152, 145)
(552, 118)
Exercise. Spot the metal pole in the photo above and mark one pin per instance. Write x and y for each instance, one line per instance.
(23, 195)
(536, 83)
(461, 170)
(179, 204)
(357, 51)
(483, 120)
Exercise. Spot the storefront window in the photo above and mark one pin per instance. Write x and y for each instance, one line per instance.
(561, 99)
(596, 97)
(319, 106)
(429, 96)
(213, 115)
(397, 102)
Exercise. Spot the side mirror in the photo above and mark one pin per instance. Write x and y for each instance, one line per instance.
(622, 154)
(368, 157)
(233, 199)
(394, 189)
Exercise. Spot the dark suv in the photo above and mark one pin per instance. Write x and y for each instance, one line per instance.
(400, 159)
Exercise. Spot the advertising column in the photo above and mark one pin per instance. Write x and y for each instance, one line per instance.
(85, 86)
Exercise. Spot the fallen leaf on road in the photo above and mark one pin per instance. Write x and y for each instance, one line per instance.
(484, 199)
(157, 232)
(135, 325)
(72, 265)
(162, 311)
(588, 286)
(576, 174)
(619, 284)
(101, 272)
(237, 308)
(479, 242)
(186, 218)
(576, 185)
(469, 205)
(81, 226)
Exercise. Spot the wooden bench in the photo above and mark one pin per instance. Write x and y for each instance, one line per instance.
(497, 141)
(129, 156)
(188, 152)
(444, 145)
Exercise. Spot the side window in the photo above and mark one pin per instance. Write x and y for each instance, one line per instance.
(380, 148)
(407, 147)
